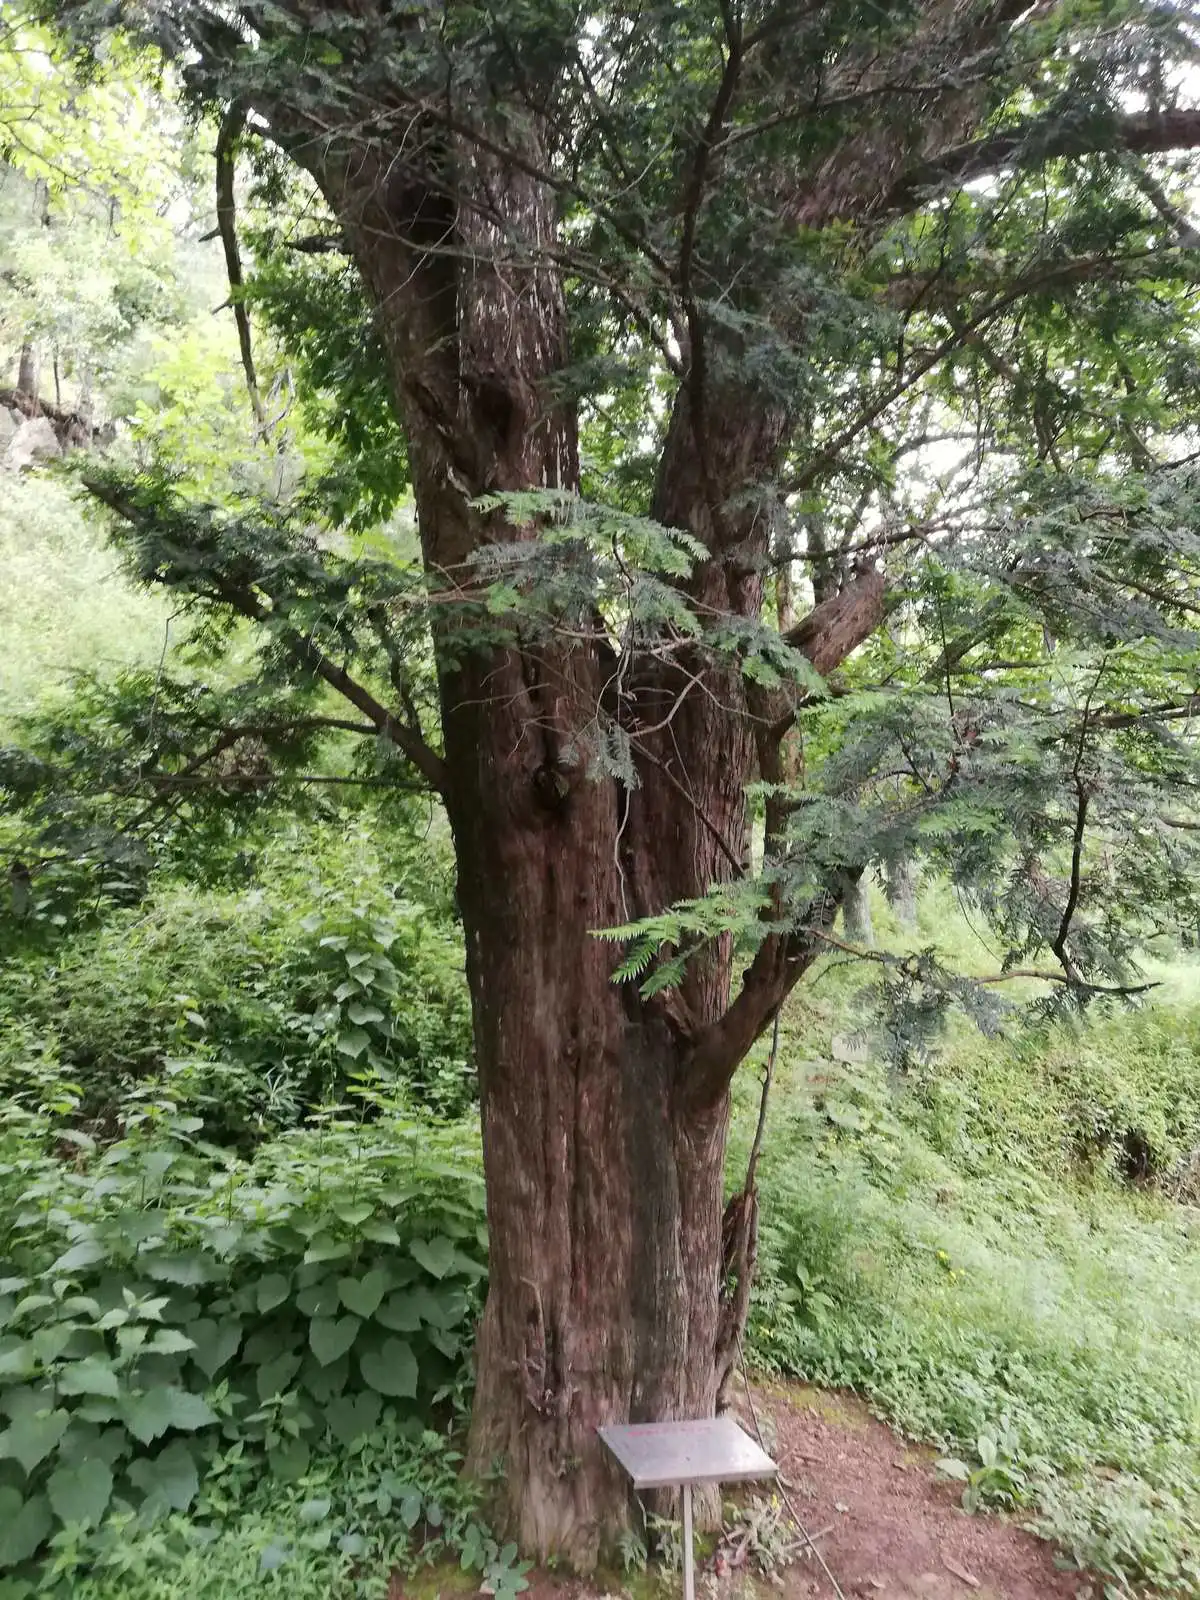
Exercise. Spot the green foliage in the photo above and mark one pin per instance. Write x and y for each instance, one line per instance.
(944, 1243)
(317, 311)
(333, 970)
(171, 1314)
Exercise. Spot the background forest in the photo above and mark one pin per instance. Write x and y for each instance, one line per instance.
(243, 1246)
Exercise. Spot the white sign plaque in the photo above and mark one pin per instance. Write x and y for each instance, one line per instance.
(660, 1455)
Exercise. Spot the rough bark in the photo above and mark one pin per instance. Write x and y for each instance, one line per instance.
(856, 914)
(604, 1114)
(28, 371)
(901, 887)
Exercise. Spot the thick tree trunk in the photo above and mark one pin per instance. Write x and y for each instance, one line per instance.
(604, 1114)
(856, 914)
(902, 891)
(604, 1187)
(28, 371)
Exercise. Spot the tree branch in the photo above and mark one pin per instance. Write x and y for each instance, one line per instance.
(232, 125)
(836, 627)
(242, 599)
(1047, 139)
(781, 960)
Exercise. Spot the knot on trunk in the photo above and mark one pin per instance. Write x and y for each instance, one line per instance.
(552, 786)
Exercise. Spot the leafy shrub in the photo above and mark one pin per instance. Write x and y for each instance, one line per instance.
(259, 1005)
(397, 1502)
(163, 1304)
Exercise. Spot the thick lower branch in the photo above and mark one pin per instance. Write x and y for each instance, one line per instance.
(782, 960)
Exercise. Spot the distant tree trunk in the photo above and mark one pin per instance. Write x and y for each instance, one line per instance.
(29, 370)
(85, 404)
(785, 576)
(856, 915)
(901, 886)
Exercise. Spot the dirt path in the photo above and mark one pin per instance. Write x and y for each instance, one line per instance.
(890, 1527)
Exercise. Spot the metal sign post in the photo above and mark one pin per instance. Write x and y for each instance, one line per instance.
(676, 1455)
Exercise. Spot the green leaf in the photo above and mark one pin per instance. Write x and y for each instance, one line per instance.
(92, 1375)
(315, 1510)
(381, 1232)
(392, 1369)
(273, 1290)
(400, 1312)
(323, 1383)
(289, 1461)
(149, 1415)
(51, 1340)
(352, 1416)
(31, 1437)
(437, 1255)
(359, 1012)
(319, 1299)
(331, 1337)
(362, 1295)
(190, 1267)
(273, 1377)
(80, 1493)
(23, 1526)
(273, 1557)
(84, 1254)
(352, 1042)
(216, 1343)
(170, 1476)
(18, 1357)
(169, 1342)
(326, 1248)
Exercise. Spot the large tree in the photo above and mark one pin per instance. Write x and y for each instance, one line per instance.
(878, 310)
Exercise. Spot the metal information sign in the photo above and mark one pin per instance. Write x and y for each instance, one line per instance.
(666, 1455)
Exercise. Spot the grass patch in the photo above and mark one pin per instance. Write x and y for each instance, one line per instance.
(964, 1247)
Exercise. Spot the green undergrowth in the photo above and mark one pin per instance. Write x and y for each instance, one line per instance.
(329, 955)
(198, 1351)
(987, 1248)
(64, 603)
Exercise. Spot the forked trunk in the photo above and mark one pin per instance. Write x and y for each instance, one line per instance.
(604, 1114)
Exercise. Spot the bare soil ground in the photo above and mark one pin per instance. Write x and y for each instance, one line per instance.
(891, 1527)
(888, 1527)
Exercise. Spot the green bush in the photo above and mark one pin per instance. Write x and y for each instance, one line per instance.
(258, 1005)
(163, 1304)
